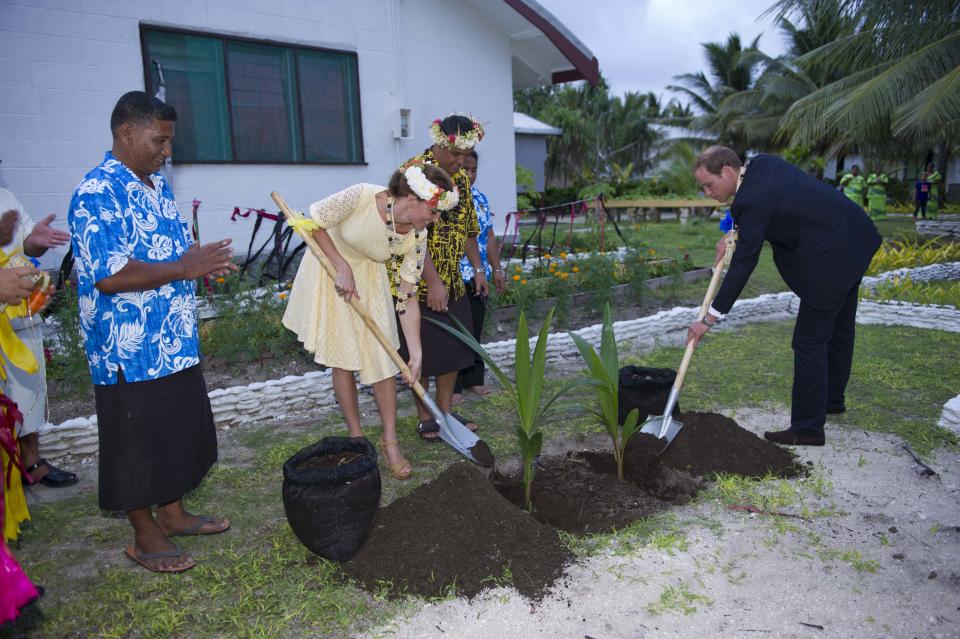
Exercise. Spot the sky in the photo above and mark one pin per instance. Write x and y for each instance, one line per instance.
(642, 44)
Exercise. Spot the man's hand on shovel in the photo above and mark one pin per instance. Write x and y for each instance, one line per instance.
(699, 328)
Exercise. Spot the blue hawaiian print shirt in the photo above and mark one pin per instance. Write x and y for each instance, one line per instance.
(485, 217)
(114, 217)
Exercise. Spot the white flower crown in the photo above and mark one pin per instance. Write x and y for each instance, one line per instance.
(433, 195)
(463, 140)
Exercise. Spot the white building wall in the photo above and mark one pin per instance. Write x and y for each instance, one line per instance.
(64, 63)
(453, 61)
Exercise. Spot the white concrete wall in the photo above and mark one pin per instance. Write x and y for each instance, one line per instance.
(64, 63)
(452, 60)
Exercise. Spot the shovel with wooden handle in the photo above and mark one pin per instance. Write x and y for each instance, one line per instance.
(664, 426)
(454, 433)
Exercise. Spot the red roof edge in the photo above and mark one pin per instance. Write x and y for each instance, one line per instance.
(584, 68)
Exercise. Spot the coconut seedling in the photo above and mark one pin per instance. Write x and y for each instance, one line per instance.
(604, 372)
(525, 390)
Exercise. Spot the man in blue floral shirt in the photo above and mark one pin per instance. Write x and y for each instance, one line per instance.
(472, 378)
(136, 266)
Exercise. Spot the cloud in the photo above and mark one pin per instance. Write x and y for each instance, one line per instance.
(642, 44)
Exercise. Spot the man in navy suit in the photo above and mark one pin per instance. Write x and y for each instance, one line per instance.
(822, 245)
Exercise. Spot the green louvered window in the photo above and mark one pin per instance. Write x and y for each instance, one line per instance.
(248, 101)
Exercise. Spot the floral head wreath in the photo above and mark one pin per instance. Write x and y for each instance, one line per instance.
(463, 140)
(433, 195)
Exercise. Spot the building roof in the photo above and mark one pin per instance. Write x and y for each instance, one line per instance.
(524, 124)
(544, 50)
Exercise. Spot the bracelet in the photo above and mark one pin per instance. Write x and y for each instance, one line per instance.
(703, 320)
(498, 270)
(401, 300)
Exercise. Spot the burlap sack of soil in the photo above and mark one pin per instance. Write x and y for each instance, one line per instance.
(331, 491)
(645, 389)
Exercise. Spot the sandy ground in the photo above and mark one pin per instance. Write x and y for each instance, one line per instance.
(758, 581)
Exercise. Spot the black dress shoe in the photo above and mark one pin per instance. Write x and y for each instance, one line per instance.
(55, 477)
(837, 409)
(793, 438)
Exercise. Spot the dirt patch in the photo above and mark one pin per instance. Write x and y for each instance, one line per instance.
(482, 453)
(569, 494)
(707, 444)
(711, 443)
(458, 530)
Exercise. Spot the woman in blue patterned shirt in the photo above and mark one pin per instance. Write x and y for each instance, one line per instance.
(472, 378)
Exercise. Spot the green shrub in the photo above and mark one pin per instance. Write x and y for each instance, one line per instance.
(68, 359)
(246, 326)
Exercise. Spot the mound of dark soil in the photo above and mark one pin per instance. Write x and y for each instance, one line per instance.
(568, 494)
(710, 443)
(457, 529)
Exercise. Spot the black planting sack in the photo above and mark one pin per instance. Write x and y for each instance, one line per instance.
(645, 389)
(331, 507)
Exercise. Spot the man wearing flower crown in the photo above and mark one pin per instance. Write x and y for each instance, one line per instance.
(450, 237)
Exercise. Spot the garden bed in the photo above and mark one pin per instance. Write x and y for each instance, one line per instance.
(617, 295)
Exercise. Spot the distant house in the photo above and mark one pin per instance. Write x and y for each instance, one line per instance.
(302, 96)
(530, 141)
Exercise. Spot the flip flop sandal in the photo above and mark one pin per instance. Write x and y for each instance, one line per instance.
(195, 527)
(144, 559)
(426, 427)
(465, 420)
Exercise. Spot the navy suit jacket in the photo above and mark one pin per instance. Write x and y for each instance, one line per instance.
(822, 241)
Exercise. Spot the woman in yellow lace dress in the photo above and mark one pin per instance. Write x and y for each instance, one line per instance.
(361, 228)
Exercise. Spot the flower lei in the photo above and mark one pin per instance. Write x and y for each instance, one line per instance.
(463, 140)
(433, 195)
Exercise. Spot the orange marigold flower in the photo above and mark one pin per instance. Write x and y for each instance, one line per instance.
(575, 269)
(564, 276)
(282, 296)
(516, 278)
(220, 280)
(563, 255)
(523, 281)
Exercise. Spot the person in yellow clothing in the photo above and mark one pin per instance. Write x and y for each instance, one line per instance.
(16, 284)
(854, 186)
(361, 229)
(935, 180)
(877, 194)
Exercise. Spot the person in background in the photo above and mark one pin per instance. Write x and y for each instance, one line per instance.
(472, 377)
(19, 236)
(136, 270)
(921, 195)
(16, 589)
(877, 194)
(935, 180)
(854, 186)
(822, 245)
(445, 296)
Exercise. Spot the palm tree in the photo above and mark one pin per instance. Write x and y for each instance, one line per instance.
(732, 70)
(898, 78)
(758, 111)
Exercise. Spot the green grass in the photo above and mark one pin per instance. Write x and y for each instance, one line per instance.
(678, 599)
(900, 381)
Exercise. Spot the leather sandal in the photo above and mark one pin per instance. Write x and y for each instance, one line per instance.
(55, 477)
(400, 470)
(429, 430)
(466, 421)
